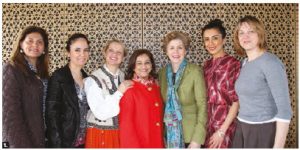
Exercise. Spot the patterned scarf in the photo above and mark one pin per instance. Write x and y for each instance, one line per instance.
(146, 82)
(173, 116)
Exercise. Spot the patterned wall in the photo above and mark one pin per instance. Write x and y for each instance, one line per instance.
(144, 25)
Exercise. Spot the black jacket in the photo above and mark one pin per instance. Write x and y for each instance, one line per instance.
(62, 109)
(22, 116)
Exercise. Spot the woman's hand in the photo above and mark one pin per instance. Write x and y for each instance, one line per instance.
(194, 145)
(125, 85)
(216, 139)
(282, 129)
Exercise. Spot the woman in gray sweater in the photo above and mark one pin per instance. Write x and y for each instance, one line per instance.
(262, 88)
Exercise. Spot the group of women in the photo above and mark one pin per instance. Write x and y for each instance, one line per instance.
(229, 104)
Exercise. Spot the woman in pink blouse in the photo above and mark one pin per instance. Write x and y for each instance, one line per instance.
(221, 71)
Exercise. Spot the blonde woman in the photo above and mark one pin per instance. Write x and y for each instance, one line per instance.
(104, 89)
(183, 90)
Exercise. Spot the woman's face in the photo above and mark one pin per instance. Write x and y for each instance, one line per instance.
(248, 37)
(213, 42)
(114, 54)
(79, 52)
(176, 51)
(143, 66)
(33, 45)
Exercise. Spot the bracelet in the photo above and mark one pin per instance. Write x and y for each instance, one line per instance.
(221, 133)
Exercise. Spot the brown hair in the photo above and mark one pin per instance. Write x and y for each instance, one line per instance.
(115, 41)
(73, 38)
(132, 62)
(19, 60)
(184, 37)
(257, 26)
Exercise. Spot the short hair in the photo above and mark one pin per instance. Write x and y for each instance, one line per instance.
(132, 63)
(73, 38)
(257, 26)
(184, 37)
(19, 60)
(215, 24)
(115, 41)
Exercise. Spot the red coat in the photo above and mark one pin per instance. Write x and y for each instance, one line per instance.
(140, 117)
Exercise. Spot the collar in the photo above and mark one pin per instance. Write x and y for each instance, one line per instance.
(147, 82)
(115, 75)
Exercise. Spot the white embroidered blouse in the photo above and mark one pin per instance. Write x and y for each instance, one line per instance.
(101, 103)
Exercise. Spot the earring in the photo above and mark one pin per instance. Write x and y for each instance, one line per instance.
(43, 52)
(21, 51)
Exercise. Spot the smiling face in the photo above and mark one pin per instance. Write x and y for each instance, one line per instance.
(33, 46)
(176, 51)
(214, 42)
(143, 66)
(114, 54)
(248, 37)
(79, 52)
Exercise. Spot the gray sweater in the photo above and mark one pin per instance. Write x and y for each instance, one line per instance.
(262, 88)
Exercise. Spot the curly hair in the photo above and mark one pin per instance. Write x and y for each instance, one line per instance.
(184, 37)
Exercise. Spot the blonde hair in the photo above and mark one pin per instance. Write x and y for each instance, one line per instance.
(259, 29)
(115, 41)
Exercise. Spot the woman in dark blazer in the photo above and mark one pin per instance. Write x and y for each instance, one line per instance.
(24, 83)
(66, 105)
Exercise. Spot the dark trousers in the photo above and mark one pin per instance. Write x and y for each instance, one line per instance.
(254, 135)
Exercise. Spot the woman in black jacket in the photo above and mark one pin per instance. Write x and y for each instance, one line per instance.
(66, 105)
(24, 83)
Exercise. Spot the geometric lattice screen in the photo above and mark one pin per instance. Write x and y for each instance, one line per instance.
(144, 25)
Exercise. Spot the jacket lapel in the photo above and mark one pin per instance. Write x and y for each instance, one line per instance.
(69, 88)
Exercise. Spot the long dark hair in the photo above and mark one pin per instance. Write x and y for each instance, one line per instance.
(132, 62)
(19, 60)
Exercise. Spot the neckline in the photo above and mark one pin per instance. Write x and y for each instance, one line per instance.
(217, 59)
(106, 68)
(263, 53)
(254, 60)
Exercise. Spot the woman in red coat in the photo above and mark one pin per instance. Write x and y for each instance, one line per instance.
(141, 105)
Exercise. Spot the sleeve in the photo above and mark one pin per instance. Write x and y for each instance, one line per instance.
(128, 133)
(162, 80)
(277, 80)
(233, 73)
(103, 107)
(14, 126)
(53, 112)
(200, 95)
